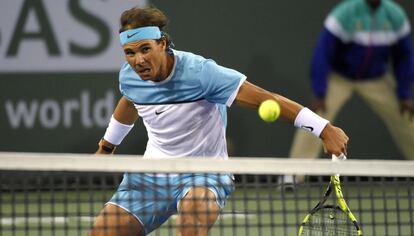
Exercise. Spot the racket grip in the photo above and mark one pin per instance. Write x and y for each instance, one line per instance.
(341, 157)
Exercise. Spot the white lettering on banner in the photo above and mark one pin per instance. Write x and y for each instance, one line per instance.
(50, 113)
(61, 35)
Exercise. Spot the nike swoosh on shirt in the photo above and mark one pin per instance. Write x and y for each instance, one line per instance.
(159, 112)
(130, 35)
(310, 128)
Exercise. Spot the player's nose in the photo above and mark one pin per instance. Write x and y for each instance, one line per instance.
(139, 59)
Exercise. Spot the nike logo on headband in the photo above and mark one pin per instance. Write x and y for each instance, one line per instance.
(130, 35)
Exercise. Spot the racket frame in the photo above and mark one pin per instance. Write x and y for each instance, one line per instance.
(334, 184)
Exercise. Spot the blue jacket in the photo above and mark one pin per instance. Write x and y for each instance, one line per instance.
(359, 44)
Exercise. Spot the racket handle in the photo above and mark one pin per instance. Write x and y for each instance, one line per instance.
(341, 157)
(336, 158)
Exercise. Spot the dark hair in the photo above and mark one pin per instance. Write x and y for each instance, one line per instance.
(140, 17)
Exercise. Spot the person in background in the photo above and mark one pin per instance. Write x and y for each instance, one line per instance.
(182, 99)
(359, 41)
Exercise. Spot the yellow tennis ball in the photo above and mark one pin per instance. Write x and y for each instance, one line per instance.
(269, 110)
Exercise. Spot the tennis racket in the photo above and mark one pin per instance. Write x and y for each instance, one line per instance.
(331, 220)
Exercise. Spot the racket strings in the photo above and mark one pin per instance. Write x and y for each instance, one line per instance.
(329, 221)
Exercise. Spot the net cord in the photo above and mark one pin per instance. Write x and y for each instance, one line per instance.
(235, 165)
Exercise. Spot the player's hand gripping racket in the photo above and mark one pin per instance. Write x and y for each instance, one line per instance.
(331, 219)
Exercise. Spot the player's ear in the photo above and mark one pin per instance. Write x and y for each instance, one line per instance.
(163, 42)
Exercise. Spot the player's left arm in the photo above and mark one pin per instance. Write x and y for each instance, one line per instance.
(334, 139)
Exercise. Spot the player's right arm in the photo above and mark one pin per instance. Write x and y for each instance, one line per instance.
(121, 123)
(334, 139)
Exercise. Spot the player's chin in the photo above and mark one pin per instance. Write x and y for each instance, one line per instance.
(147, 78)
(146, 75)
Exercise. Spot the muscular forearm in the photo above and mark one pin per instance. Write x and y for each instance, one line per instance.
(125, 112)
(290, 109)
(119, 126)
(252, 96)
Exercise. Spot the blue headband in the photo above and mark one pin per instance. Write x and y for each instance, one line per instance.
(133, 35)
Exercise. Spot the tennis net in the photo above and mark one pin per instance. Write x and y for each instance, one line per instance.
(62, 194)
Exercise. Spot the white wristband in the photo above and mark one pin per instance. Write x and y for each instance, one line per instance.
(116, 131)
(310, 121)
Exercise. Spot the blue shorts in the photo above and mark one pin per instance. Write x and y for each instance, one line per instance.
(152, 199)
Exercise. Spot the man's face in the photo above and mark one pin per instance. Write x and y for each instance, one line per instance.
(146, 57)
(374, 4)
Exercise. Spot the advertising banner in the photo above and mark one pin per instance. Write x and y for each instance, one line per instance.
(61, 35)
(59, 63)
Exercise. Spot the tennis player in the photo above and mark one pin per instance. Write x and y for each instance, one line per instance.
(182, 99)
